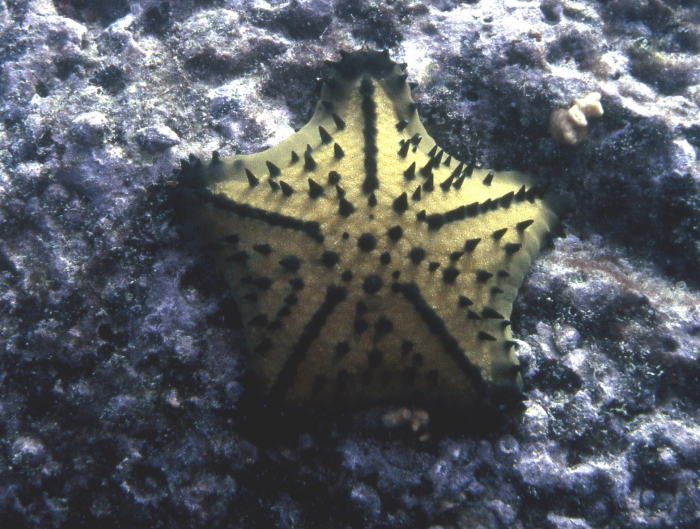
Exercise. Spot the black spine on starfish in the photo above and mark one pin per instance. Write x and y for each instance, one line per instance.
(333, 178)
(401, 203)
(447, 183)
(287, 190)
(473, 209)
(469, 169)
(325, 136)
(449, 274)
(252, 179)
(483, 335)
(498, 234)
(473, 315)
(506, 199)
(482, 276)
(339, 123)
(522, 226)
(464, 301)
(315, 189)
(309, 162)
(488, 312)
(410, 173)
(511, 247)
(429, 184)
(395, 233)
(263, 248)
(273, 169)
(345, 208)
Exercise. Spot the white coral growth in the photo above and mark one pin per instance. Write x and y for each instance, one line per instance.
(570, 127)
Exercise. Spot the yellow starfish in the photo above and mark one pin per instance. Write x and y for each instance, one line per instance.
(368, 264)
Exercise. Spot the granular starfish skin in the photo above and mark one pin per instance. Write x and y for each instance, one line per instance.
(369, 265)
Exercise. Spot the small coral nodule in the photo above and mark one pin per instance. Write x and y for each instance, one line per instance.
(570, 127)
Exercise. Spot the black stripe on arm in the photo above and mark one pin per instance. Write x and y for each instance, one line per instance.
(311, 228)
(285, 380)
(369, 113)
(437, 326)
(435, 221)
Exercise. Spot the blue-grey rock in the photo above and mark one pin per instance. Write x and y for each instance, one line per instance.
(542, 465)
(564, 522)
(505, 513)
(158, 138)
(90, 128)
(123, 395)
(366, 502)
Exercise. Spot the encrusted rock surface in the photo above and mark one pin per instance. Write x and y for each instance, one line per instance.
(120, 350)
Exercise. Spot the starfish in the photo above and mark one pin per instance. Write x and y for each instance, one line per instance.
(368, 264)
